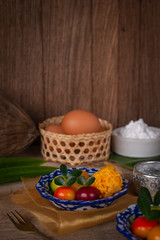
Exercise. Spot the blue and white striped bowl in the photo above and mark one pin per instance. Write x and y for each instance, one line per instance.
(43, 186)
(125, 220)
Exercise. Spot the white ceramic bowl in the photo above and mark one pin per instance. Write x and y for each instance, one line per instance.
(138, 148)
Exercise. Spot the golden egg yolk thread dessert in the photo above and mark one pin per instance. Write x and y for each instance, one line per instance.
(108, 181)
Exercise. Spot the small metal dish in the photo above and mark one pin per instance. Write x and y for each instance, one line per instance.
(147, 174)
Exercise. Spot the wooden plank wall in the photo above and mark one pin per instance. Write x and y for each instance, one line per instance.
(98, 55)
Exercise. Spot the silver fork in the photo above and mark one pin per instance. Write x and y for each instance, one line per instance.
(24, 224)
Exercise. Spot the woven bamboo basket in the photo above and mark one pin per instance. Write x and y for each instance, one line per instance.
(75, 150)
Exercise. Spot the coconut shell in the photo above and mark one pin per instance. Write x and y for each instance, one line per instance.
(17, 130)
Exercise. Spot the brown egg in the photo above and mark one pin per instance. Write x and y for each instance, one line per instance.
(79, 122)
(54, 128)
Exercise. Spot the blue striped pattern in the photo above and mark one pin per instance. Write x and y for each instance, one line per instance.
(125, 220)
(43, 187)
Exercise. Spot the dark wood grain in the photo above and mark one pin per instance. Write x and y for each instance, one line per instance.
(98, 55)
(150, 62)
(105, 59)
(129, 60)
(67, 55)
(21, 54)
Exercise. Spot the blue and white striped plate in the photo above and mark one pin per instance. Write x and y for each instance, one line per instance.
(125, 220)
(43, 186)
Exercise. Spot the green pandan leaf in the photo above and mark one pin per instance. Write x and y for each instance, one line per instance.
(129, 162)
(19, 161)
(90, 180)
(81, 180)
(71, 180)
(59, 181)
(75, 172)
(157, 198)
(63, 169)
(16, 173)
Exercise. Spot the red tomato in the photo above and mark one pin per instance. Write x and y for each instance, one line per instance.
(154, 233)
(141, 226)
(65, 193)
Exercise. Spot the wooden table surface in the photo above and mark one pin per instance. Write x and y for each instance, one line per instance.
(9, 232)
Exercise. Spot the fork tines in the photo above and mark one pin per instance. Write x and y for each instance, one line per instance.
(19, 218)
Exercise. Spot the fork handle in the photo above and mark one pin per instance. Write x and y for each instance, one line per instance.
(41, 233)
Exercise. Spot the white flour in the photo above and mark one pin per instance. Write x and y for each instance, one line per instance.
(138, 130)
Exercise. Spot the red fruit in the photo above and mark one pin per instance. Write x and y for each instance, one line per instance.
(87, 193)
(141, 226)
(65, 193)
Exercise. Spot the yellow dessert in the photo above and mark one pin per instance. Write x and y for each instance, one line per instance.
(107, 181)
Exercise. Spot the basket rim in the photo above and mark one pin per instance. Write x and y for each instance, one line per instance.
(44, 124)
